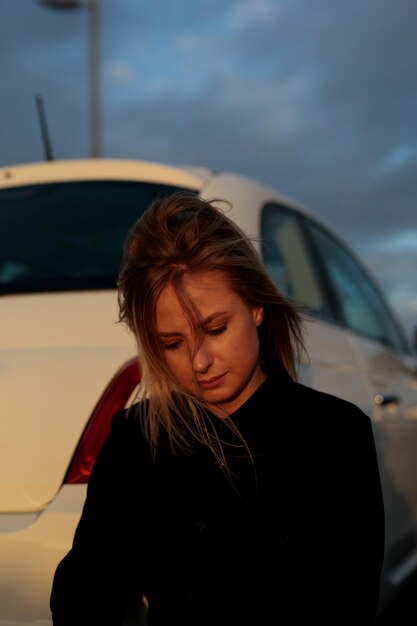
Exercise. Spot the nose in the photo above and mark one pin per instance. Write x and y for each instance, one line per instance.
(202, 358)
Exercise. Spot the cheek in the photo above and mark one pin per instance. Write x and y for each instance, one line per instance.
(250, 336)
(253, 348)
(242, 347)
(178, 364)
(170, 360)
(252, 344)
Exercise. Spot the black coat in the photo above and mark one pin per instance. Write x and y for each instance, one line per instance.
(300, 540)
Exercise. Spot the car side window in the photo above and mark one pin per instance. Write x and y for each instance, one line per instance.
(287, 260)
(362, 306)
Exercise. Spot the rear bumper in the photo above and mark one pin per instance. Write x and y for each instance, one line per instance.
(31, 546)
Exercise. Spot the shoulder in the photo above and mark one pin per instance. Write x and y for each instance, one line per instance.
(124, 455)
(339, 434)
(333, 438)
(329, 420)
(129, 418)
(327, 402)
(310, 405)
(126, 432)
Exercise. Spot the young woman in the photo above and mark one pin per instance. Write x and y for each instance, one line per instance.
(230, 494)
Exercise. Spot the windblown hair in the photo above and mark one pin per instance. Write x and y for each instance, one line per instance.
(180, 234)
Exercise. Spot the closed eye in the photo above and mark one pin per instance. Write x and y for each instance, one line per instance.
(216, 331)
(172, 345)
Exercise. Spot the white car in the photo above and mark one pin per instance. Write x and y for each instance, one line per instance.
(66, 364)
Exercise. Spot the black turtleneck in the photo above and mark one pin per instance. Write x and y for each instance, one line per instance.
(293, 535)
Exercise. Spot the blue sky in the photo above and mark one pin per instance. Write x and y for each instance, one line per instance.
(315, 97)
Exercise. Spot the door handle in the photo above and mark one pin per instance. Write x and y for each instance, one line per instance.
(386, 398)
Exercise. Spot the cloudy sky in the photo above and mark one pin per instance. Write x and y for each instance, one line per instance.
(315, 97)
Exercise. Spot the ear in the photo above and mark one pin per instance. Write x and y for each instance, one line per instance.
(258, 314)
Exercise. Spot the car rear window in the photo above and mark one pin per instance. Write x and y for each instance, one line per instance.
(68, 236)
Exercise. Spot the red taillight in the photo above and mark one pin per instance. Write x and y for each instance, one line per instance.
(114, 397)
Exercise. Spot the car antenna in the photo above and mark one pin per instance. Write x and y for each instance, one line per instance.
(44, 129)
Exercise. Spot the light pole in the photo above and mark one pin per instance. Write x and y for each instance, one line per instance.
(93, 62)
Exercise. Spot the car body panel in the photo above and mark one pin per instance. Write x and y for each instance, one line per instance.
(392, 375)
(45, 359)
(30, 556)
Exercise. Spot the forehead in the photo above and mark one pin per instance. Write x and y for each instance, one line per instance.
(207, 291)
(197, 285)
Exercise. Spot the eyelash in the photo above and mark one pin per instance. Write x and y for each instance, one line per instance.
(217, 331)
(171, 346)
(214, 332)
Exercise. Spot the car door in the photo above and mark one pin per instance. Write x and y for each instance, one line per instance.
(389, 370)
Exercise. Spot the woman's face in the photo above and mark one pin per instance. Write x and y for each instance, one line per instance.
(220, 362)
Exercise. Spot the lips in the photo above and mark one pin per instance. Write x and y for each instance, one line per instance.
(211, 383)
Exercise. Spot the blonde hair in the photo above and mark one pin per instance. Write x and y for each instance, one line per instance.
(184, 233)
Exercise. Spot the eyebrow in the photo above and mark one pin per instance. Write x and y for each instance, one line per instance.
(204, 322)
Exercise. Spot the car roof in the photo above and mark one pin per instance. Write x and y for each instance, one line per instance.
(116, 169)
(204, 180)
(182, 175)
